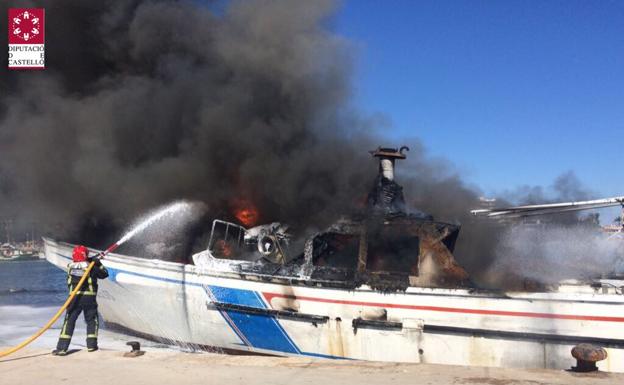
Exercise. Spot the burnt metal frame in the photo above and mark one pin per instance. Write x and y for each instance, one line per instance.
(241, 231)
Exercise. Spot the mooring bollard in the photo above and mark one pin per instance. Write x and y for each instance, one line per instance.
(586, 357)
(136, 349)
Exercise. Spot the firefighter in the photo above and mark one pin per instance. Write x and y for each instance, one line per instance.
(84, 301)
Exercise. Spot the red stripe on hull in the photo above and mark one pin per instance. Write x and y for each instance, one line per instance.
(270, 296)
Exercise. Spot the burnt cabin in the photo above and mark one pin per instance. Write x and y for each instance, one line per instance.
(382, 246)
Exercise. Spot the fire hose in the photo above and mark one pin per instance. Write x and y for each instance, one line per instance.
(63, 308)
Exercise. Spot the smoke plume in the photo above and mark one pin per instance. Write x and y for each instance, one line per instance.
(548, 255)
(144, 102)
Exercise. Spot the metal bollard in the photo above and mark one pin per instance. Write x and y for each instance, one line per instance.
(136, 349)
(586, 357)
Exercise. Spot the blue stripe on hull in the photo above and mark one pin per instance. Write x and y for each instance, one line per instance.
(236, 296)
(260, 331)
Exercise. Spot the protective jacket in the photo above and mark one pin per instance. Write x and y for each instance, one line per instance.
(76, 270)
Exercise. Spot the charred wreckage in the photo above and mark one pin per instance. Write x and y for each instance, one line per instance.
(383, 246)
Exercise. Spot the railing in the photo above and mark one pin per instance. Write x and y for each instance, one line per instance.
(240, 230)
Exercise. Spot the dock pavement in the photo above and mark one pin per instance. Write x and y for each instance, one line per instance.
(108, 367)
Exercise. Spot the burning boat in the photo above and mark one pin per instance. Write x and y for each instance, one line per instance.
(381, 285)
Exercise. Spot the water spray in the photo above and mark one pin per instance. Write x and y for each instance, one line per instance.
(142, 225)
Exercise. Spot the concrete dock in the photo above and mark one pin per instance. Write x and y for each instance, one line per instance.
(36, 366)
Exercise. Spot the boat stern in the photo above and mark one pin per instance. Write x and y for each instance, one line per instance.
(57, 253)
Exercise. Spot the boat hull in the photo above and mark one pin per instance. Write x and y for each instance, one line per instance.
(189, 305)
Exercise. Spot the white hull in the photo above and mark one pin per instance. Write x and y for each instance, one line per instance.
(184, 303)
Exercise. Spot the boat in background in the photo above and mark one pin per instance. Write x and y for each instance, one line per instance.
(25, 251)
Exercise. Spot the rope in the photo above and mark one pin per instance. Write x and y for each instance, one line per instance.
(53, 319)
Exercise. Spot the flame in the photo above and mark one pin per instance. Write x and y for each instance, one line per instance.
(223, 249)
(246, 212)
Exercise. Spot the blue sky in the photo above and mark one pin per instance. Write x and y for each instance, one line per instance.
(511, 92)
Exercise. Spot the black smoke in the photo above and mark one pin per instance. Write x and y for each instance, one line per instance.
(144, 102)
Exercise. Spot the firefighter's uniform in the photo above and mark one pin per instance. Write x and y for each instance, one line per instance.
(84, 301)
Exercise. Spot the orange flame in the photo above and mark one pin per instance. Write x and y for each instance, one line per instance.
(246, 212)
(223, 249)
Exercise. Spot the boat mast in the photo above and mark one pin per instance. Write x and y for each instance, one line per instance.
(7, 229)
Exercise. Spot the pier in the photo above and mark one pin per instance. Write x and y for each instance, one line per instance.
(37, 366)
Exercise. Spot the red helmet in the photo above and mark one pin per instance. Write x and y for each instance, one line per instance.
(80, 254)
